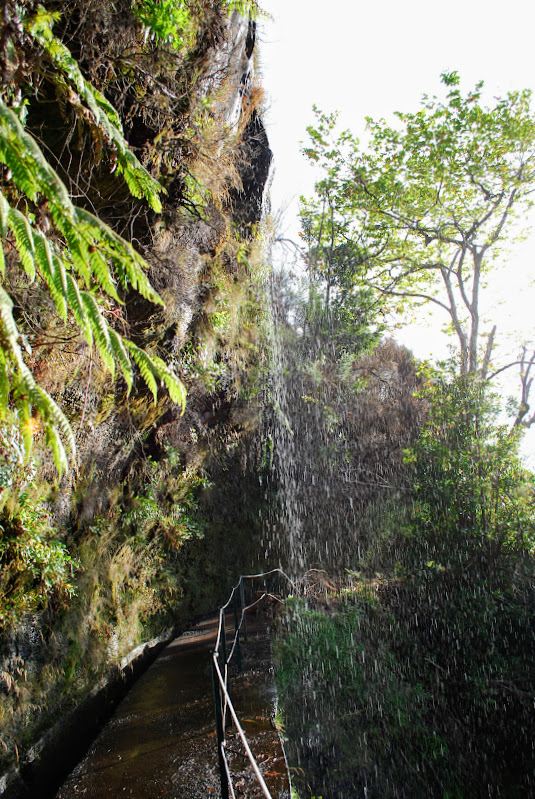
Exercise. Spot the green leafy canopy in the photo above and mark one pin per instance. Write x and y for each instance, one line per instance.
(418, 214)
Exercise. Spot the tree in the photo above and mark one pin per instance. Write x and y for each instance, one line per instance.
(470, 489)
(421, 214)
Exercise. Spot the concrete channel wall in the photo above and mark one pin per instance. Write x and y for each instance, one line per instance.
(51, 759)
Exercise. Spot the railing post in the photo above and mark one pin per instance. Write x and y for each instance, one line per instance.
(223, 641)
(219, 729)
(242, 600)
(223, 662)
(237, 633)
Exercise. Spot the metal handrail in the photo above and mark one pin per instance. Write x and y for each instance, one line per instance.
(220, 682)
(239, 730)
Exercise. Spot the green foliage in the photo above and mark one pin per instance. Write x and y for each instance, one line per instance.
(344, 695)
(11, 455)
(101, 566)
(166, 507)
(34, 565)
(120, 582)
(421, 213)
(417, 680)
(175, 22)
(81, 260)
(470, 488)
(422, 688)
(167, 20)
(27, 396)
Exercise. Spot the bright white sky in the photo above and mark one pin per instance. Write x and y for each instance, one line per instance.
(374, 58)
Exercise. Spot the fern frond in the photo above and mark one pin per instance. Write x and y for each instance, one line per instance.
(139, 181)
(19, 381)
(9, 330)
(126, 260)
(77, 307)
(4, 215)
(102, 274)
(107, 108)
(174, 385)
(78, 251)
(121, 356)
(4, 385)
(99, 328)
(60, 55)
(11, 154)
(90, 241)
(50, 412)
(59, 455)
(22, 231)
(24, 409)
(152, 369)
(60, 278)
(145, 366)
(48, 266)
(136, 277)
(30, 169)
(69, 76)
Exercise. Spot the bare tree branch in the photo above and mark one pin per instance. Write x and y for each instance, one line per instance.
(526, 383)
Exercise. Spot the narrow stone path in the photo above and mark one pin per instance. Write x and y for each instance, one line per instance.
(161, 740)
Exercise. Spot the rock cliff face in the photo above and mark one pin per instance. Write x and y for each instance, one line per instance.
(184, 247)
(160, 511)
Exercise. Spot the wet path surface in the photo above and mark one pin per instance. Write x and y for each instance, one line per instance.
(161, 740)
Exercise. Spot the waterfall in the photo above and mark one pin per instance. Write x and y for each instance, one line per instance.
(311, 515)
(286, 518)
(341, 412)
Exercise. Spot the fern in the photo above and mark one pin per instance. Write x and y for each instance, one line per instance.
(108, 109)
(121, 356)
(130, 265)
(145, 366)
(22, 231)
(4, 218)
(16, 379)
(91, 106)
(77, 307)
(43, 402)
(175, 387)
(30, 170)
(60, 284)
(152, 369)
(80, 257)
(247, 8)
(100, 271)
(99, 329)
(24, 413)
(90, 241)
(49, 268)
(4, 385)
(77, 251)
(167, 20)
(53, 440)
(9, 330)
